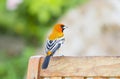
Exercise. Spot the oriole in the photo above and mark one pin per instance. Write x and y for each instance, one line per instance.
(54, 42)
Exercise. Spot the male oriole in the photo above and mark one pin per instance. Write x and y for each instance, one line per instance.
(54, 42)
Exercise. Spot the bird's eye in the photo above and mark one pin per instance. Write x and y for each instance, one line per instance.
(62, 26)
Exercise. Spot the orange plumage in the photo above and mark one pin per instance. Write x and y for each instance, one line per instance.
(57, 32)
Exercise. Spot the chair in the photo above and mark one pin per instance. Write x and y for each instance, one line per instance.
(68, 67)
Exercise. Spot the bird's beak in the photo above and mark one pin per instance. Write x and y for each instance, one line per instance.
(65, 27)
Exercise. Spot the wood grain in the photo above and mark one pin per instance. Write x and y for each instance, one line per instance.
(100, 78)
(77, 78)
(75, 67)
(56, 78)
(83, 66)
(33, 67)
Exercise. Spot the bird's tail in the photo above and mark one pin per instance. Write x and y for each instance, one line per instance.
(46, 62)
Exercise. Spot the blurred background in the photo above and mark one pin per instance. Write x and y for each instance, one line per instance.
(93, 30)
(23, 28)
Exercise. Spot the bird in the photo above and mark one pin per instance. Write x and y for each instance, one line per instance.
(54, 42)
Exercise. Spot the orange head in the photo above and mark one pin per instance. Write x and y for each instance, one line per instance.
(57, 31)
(59, 27)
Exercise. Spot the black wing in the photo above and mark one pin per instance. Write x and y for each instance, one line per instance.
(54, 45)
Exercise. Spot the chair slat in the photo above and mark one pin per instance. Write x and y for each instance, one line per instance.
(63, 77)
(41, 78)
(95, 67)
(100, 78)
(33, 67)
(56, 78)
(83, 66)
(77, 78)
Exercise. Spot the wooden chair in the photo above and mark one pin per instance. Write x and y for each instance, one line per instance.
(107, 67)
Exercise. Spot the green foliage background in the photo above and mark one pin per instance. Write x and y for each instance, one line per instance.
(30, 21)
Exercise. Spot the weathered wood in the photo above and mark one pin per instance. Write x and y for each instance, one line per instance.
(42, 78)
(82, 66)
(75, 68)
(100, 78)
(33, 67)
(77, 78)
(56, 78)
(63, 77)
